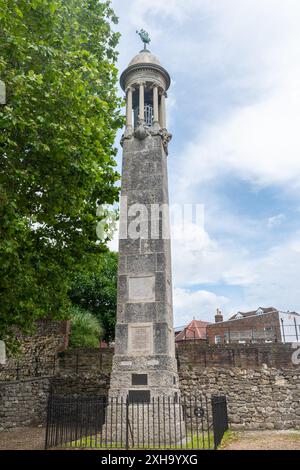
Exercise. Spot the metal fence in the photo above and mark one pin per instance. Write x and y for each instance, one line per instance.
(116, 423)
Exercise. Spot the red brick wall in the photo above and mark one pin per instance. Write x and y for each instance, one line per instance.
(255, 324)
(196, 356)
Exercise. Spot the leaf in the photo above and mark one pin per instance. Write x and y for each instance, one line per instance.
(19, 12)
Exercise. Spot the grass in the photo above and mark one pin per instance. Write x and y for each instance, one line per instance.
(191, 442)
(228, 438)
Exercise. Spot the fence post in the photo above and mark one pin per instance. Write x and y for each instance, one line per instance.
(48, 417)
(127, 424)
(220, 417)
(76, 366)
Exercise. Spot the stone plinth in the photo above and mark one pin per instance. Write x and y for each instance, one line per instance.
(156, 424)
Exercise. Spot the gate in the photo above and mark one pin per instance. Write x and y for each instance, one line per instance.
(114, 423)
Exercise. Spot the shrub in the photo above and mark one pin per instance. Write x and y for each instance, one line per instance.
(85, 328)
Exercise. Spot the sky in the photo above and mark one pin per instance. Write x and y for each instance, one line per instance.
(234, 112)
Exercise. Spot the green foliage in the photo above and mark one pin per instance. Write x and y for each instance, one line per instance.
(57, 155)
(85, 329)
(95, 289)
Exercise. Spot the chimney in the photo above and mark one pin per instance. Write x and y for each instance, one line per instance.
(218, 316)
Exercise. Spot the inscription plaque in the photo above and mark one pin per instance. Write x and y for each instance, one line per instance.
(139, 396)
(140, 339)
(139, 379)
(142, 289)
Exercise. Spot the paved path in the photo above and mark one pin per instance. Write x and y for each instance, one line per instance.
(264, 440)
(22, 439)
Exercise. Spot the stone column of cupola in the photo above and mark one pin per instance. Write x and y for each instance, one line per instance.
(141, 102)
(129, 110)
(155, 107)
(162, 118)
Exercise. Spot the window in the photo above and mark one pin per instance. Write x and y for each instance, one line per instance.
(218, 339)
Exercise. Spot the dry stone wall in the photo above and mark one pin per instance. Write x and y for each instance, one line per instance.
(24, 403)
(263, 388)
(38, 352)
(264, 398)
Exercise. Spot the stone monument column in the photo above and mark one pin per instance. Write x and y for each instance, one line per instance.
(144, 364)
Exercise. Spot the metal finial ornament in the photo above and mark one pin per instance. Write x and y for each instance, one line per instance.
(144, 37)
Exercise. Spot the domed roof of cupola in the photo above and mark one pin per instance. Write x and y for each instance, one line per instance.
(144, 57)
(144, 60)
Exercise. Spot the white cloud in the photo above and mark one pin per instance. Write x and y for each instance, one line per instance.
(259, 143)
(197, 259)
(200, 304)
(275, 220)
(277, 277)
(250, 46)
(250, 51)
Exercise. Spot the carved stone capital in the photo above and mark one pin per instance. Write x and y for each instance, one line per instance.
(126, 136)
(163, 93)
(142, 131)
(165, 137)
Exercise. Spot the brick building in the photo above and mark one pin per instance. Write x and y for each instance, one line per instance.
(194, 331)
(264, 325)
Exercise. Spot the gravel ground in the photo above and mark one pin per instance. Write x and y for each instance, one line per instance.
(264, 440)
(22, 439)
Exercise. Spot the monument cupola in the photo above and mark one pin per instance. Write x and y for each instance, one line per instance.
(145, 83)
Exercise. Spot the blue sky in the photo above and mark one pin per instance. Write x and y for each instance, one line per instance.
(234, 112)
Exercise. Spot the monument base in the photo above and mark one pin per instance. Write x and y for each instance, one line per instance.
(157, 424)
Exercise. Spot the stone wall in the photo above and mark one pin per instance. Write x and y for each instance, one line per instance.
(38, 351)
(24, 403)
(83, 384)
(263, 398)
(86, 360)
(193, 355)
(260, 381)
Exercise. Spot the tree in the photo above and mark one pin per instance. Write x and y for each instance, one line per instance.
(95, 289)
(57, 58)
(85, 329)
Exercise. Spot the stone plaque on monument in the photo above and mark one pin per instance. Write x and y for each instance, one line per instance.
(142, 288)
(139, 396)
(140, 339)
(139, 379)
(2, 353)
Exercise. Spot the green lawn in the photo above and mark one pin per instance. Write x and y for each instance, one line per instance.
(191, 442)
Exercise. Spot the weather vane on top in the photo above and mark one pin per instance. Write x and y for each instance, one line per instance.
(144, 37)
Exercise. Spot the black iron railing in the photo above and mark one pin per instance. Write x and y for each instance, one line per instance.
(116, 423)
